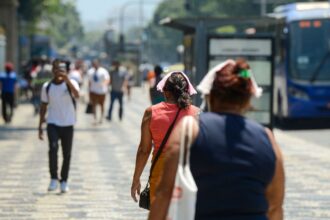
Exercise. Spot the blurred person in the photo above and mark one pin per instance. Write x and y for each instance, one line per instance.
(25, 86)
(155, 95)
(235, 162)
(8, 80)
(99, 79)
(76, 74)
(156, 120)
(42, 74)
(150, 76)
(118, 82)
(144, 69)
(58, 98)
(130, 82)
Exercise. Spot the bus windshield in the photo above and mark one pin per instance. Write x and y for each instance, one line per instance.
(309, 46)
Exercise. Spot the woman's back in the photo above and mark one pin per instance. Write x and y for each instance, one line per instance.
(232, 162)
(163, 115)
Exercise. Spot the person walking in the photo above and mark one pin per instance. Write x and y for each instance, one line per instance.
(98, 78)
(156, 121)
(58, 99)
(119, 82)
(43, 74)
(235, 162)
(8, 80)
(155, 95)
(76, 73)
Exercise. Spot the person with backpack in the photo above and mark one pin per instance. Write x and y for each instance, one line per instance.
(58, 98)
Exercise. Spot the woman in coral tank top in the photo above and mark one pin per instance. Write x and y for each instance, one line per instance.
(177, 90)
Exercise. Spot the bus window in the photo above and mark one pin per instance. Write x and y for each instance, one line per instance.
(306, 52)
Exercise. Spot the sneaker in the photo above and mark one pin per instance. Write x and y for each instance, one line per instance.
(52, 185)
(64, 187)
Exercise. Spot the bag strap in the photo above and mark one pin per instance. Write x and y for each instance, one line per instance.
(186, 141)
(162, 145)
(69, 90)
(73, 100)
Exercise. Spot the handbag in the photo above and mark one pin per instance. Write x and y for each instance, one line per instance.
(89, 108)
(144, 201)
(183, 202)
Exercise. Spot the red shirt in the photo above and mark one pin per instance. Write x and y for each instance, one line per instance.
(162, 117)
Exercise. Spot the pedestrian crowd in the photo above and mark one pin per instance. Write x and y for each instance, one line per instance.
(206, 163)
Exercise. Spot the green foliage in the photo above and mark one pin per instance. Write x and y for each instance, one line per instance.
(29, 10)
(64, 24)
(162, 41)
(56, 18)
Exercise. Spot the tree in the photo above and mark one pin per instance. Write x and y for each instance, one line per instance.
(57, 18)
(162, 42)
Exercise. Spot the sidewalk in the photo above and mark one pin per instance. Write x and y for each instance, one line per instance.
(101, 170)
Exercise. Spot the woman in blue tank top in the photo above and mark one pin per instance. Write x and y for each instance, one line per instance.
(235, 162)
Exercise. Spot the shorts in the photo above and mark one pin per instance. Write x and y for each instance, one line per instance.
(96, 98)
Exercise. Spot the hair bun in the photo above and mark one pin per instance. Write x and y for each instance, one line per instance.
(179, 87)
(232, 84)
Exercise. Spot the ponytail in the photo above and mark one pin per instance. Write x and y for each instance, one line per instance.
(178, 86)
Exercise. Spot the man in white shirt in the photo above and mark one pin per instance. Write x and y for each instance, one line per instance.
(58, 97)
(98, 87)
(76, 74)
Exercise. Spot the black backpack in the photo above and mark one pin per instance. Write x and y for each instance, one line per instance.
(69, 90)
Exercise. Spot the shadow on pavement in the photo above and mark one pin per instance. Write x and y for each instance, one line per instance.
(10, 132)
(303, 124)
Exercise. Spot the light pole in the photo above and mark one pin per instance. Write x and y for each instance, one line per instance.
(263, 7)
(141, 3)
(121, 28)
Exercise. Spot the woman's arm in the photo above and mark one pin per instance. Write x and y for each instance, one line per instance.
(275, 190)
(160, 206)
(142, 154)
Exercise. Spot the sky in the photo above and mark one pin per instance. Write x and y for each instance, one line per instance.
(103, 14)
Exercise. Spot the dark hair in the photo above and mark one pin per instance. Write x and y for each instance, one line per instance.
(56, 63)
(229, 87)
(178, 86)
(158, 70)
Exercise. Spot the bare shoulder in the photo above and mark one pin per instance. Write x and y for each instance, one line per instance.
(276, 147)
(147, 114)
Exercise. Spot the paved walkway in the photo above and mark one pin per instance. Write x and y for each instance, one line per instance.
(102, 165)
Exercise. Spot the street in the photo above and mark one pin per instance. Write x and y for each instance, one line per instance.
(103, 161)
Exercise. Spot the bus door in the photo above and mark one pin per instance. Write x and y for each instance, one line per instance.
(259, 53)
